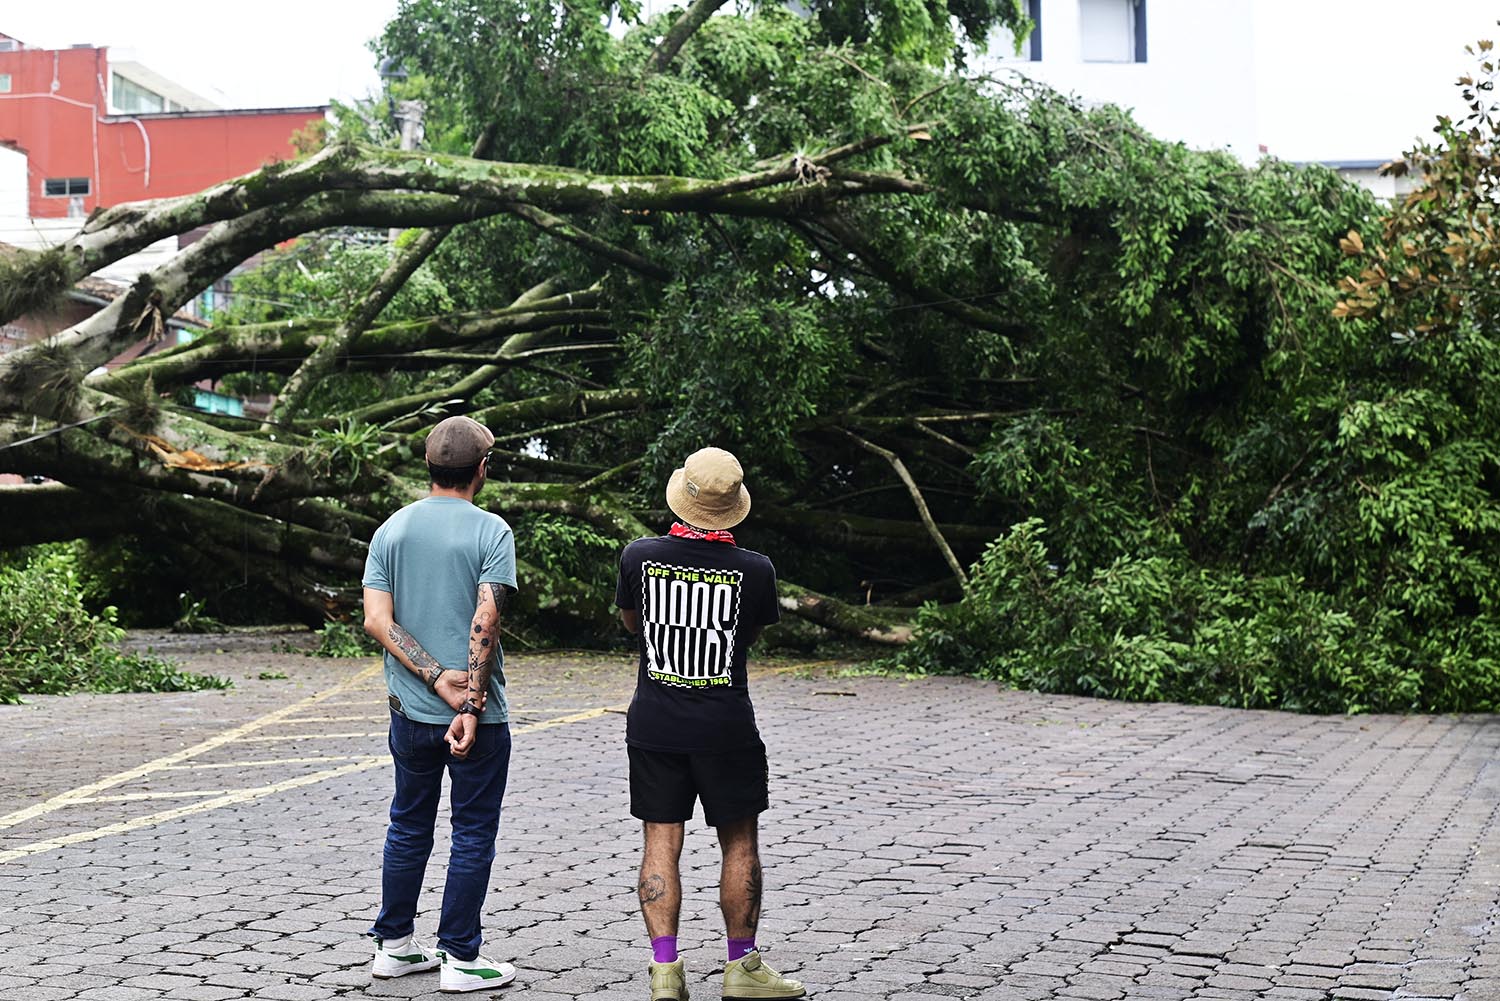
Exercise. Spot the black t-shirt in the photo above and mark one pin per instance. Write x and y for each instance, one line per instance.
(697, 600)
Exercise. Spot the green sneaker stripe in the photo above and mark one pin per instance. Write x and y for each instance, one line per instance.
(416, 957)
(481, 971)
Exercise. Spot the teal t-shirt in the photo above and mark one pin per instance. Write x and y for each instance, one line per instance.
(432, 556)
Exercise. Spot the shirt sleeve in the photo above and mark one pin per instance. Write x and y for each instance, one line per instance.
(770, 610)
(377, 563)
(628, 582)
(499, 565)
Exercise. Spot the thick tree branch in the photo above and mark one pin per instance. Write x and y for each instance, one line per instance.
(407, 260)
(839, 616)
(461, 390)
(563, 230)
(502, 417)
(281, 346)
(293, 395)
(682, 29)
(159, 293)
(855, 241)
(918, 499)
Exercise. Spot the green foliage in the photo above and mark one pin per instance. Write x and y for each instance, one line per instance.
(570, 557)
(51, 645)
(327, 277)
(343, 451)
(1229, 485)
(343, 639)
(1050, 463)
(193, 618)
(1156, 627)
(913, 29)
(734, 365)
(1247, 499)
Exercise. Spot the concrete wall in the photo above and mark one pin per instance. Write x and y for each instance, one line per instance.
(12, 183)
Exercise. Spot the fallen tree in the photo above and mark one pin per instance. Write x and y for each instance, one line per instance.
(970, 339)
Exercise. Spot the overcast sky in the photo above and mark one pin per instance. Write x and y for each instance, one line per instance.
(1339, 79)
(260, 54)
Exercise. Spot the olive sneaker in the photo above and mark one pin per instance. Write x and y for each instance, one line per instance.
(748, 979)
(669, 982)
(478, 974)
(396, 957)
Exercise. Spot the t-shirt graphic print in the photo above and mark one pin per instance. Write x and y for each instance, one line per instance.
(699, 602)
(689, 617)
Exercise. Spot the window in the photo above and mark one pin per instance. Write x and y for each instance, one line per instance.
(133, 99)
(1003, 43)
(1113, 31)
(63, 187)
(9, 45)
(4, 83)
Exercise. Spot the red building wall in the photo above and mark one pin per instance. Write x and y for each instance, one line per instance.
(66, 131)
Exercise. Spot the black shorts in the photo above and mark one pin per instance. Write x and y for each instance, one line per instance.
(733, 785)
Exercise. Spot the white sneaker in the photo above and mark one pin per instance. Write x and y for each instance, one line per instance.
(479, 974)
(396, 957)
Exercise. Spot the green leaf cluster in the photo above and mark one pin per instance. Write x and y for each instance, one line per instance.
(51, 645)
(1158, 627)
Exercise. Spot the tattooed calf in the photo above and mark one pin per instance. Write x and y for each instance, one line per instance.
(652, 889)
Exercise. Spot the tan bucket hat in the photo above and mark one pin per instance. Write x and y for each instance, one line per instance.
(709, 490)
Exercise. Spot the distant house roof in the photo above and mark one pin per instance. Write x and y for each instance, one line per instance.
(176, 93)
(147, 116)
(1349, 164)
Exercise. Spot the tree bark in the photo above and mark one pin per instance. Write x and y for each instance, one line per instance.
(921, 502)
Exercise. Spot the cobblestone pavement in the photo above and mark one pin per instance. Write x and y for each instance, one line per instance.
(931, 838)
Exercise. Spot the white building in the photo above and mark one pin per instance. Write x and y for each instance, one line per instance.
(1348, 83)
(19, 229)
(1185, 67)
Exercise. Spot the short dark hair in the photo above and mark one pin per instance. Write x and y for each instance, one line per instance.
(452, 477)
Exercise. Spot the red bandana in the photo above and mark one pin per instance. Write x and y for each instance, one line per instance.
(682, 531)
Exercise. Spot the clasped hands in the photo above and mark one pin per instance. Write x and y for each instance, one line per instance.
(453, 688)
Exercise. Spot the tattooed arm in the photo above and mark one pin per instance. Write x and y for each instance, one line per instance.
(380, 622)
(484, 642)
(484, 637)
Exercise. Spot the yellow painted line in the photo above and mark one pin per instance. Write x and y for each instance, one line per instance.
(219, 740)
(573, 718)
(288, 738)
(246, 795)
(338, 719)
(789, 668)
(152, 819)
(131, 797)
(263, 761)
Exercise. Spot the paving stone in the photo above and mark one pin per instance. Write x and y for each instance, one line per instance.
(931, 838)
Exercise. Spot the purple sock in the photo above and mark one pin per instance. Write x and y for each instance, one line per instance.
(664, 949)
(740, 948)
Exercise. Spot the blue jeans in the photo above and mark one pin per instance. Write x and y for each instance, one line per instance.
(477, 787)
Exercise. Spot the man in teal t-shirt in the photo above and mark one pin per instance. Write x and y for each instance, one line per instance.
(436, 580)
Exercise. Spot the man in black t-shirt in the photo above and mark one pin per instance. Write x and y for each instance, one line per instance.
(697, 602)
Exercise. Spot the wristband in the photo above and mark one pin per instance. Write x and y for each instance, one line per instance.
(469, 709)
